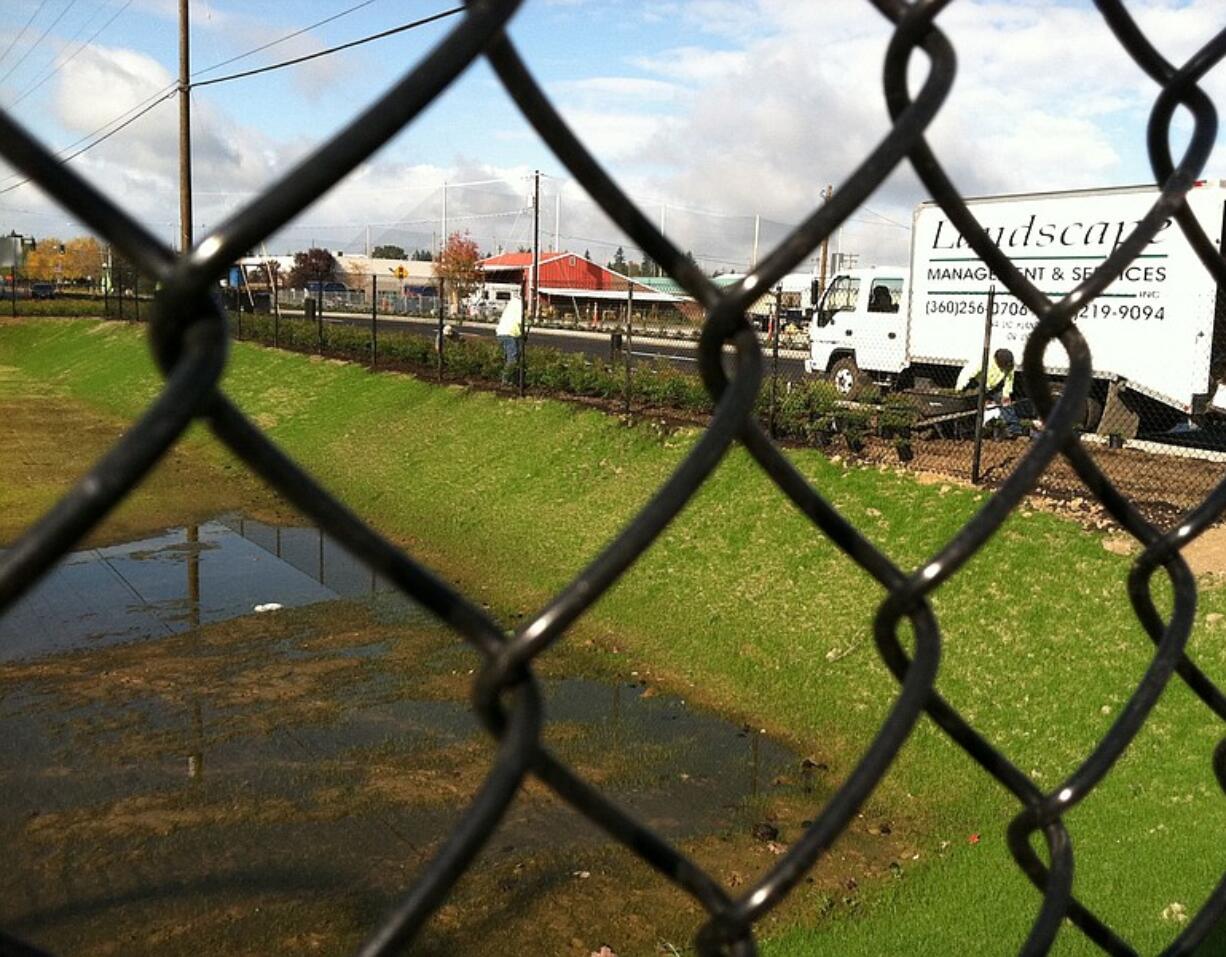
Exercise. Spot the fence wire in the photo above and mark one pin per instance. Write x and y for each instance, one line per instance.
(189, 339)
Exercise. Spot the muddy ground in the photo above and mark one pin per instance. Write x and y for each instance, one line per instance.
(272, 783)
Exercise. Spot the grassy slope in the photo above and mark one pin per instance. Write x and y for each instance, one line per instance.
(746, 601)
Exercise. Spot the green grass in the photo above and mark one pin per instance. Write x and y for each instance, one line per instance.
(744, 605)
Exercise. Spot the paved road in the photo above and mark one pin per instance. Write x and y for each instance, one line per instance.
(682, 353)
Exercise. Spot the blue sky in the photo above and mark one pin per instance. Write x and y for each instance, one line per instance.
(711, 112)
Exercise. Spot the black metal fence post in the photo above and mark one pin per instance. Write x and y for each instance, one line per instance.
(983, 384)
(775, 356)
(319, 316)
(521, 372)
(442, 306)
(626, 357)
(374, 321)
(274, 281)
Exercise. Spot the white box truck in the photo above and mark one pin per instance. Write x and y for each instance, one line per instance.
(1157, 335)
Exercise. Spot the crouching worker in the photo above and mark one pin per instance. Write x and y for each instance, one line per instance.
(999, 389)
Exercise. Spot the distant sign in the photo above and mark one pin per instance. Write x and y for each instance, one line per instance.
(10, 251)
(401, 272)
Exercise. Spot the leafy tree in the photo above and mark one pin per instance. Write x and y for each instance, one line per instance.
(46, 260)
(458, 265)
(53, 260)
(83, 259)
(587, 254)
(422, 256)
(389, 252)
(618, 264)
(311, 266)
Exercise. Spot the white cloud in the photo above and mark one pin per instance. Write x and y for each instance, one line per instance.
(1045, 98)
(635, 89)
(139, 167)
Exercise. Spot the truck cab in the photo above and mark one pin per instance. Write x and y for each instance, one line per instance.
(858, 332)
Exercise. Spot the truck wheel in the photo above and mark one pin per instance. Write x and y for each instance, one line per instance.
(846, 376)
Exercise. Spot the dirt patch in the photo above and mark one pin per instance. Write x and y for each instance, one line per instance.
(1121, 545)
(1206, 555)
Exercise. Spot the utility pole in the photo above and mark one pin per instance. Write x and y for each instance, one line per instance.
(825, 245)
(535, 279)
(663, 219)
(536, 245)
(443, 239)
(557, 221)
(757, 229)
(185, 132)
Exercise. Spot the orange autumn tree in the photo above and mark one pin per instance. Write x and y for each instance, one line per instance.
(79, 259)
(458, 265)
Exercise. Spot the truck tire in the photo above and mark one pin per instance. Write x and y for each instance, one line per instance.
(846, 376)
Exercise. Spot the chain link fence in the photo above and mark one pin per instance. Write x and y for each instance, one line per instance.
(188, 333)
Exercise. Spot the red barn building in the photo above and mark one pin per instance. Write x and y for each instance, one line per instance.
(576, 286)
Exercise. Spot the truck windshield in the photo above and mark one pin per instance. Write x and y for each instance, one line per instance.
(842, 296)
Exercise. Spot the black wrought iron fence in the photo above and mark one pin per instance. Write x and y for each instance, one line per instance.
(188, 336)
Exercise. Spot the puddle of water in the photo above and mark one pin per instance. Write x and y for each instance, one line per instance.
(306, 763)
(179, 580)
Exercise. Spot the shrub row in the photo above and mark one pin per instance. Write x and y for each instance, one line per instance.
(62, 308)
(809, 411)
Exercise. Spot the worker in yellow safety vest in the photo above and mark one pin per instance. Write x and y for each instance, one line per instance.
(999, 388)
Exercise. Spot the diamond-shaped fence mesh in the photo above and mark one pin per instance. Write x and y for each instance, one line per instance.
(188, 331)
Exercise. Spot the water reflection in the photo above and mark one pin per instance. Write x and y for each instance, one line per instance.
(177, 581)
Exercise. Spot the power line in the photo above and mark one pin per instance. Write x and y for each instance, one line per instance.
(382, 190)
(102, 139)
(892, 222)
(207, 69)
(289, 36)
(75, 53)
(403, 222)
(336, 49)
(37, 43)
(146, 105)
(17, 39)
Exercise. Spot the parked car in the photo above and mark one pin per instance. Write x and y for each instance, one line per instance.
(42, 290)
